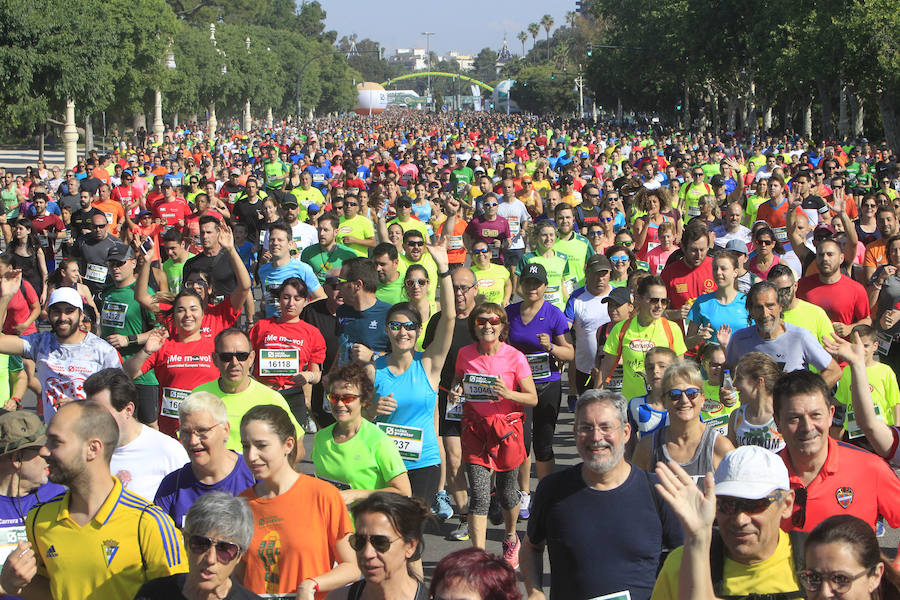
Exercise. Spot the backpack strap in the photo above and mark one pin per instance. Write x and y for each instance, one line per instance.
(667, 327)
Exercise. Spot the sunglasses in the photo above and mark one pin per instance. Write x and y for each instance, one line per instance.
(481, 251)
(661, 301)
(464, 288)
(381, 543)
(351, 204)
(227, 357)
(225, 551)
(691, 393)
(96, 226)
(594, 233)
(626, 243)
(840, 582)
(482, 321)
(398, 325)
(618, 259)
(732, 506)
(342, 398)
(490, 204)
(765, 242)
(415, 283)
(413, 244)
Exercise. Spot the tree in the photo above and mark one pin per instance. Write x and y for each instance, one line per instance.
(547, 24)
(534, 29)
(522, 36)
(484, 66)
(541, 90)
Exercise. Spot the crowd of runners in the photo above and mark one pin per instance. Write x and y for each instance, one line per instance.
(424, 294)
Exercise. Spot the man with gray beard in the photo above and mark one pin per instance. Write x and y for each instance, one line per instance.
(604, 522)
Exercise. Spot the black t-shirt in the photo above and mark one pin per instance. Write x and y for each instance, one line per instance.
(602, 541)
(219, 269)
(584, 215)
(82, 219)
(251, 215)
(91, 184)
(461, 338)
(317, 314)
(169, 588)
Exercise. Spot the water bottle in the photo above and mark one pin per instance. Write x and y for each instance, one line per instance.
(727, 386)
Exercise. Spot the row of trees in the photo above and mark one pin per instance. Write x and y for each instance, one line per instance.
(111, 57)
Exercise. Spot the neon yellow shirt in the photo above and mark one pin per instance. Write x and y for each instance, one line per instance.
(636, 343)
(885, 396)
(491, 282)
(358, 227)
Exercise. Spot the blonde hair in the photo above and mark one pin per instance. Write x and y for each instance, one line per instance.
(682, 369)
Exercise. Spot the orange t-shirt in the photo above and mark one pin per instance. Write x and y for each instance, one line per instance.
(295, 536)
(876, 253)
(456, 251)
(114, 211)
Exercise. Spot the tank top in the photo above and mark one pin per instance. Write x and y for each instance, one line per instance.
(702, 461)
(30, 271)
(746, 434)
(652, 239)
(356, 590)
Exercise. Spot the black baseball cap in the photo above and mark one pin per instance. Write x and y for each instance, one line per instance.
(535, 271)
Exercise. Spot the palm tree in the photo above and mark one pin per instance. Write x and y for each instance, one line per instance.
(522, 36)
(547, 24)
(534, 29)
(571, 16)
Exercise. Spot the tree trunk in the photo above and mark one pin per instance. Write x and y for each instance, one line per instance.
(43, 139)
(767, 118)
(788, 115)
(751, 123)
(619, 111)
(857, 111)
(888, 110)
(716, 117)
(732, 113)
(686, 108)
(88, 134)
(827, 110)
(843, 113)
(807, 119)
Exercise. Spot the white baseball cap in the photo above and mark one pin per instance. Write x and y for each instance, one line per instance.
(67, 295)
(751, 472)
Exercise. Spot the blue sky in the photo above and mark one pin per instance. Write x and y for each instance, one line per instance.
(466, 26)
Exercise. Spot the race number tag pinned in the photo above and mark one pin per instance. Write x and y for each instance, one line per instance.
(540, 364)
(273, 363)
(171, 400)
(479, 388)
(407, 439)
(96, 273)
(113, 314)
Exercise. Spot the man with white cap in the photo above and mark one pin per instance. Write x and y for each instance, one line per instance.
(748, 553)
(65, 356)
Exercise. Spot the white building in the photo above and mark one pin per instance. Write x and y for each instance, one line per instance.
(466, 61)
(411, 58)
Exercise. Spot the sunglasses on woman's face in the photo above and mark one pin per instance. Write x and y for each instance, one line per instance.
(225, 551)
(477, 251)
(765, 242)
(691, 393)
(618, 259)
(482, 321)
(381, 543)
(415, 282)
(342, 398)
(398, 325)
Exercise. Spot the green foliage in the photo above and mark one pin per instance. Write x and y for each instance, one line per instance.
(541, 90)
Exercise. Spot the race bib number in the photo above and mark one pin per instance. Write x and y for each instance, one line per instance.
(884, 343)
(113, 314)
(479, 388)
(171, 400)
(615, 381)
(96, 273)
(719, 423)
(456, 242)
(318, 177)
(693, 211)
(513, 226)
(495, 252)
(9, 538)
(540, 364)
(853, 429)
(273, 363)
(454, 408)
(44, 240)
(652, 245)
(109, 217)
(781, 234)
(407, 439)
(553, 295)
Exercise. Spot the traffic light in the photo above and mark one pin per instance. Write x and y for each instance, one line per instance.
(590, 51)
(552, 76)
(678, 107)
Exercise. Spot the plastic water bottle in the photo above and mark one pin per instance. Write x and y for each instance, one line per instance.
(727, 384)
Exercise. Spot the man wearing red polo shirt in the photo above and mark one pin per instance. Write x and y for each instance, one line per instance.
(828, 477)
(691, 275)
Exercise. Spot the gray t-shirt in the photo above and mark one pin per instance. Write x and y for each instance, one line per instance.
(793, 350)
(517, 216)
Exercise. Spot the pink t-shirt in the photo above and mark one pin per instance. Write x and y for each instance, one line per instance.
(508, 363)
(657, 258)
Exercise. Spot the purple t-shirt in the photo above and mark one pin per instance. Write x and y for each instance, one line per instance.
(488, 231)
(550, 320)
(179, 489)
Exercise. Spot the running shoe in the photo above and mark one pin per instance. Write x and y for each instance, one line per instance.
(511, 552)
(461, 533)
(524, 504)
(441, 506)
(495, 514)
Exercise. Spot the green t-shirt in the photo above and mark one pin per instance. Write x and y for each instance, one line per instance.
(358, 227)
(491, 282)
(307, 197)
(275, 172)
(636, 343)
(460, 178)
(578, 249)
(238, 404)
(713, 412)
(121, 314)
(367, 461)
(322, 261)
(560, 280)
(885, 396)
(811, 318)
(173, 271)
(753, 204)
(393, 292)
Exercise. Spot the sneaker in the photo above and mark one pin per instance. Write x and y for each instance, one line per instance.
(879, 527)
(511, 552)
(495, 514)
(524, 504)
(461, 533)
(441, 506)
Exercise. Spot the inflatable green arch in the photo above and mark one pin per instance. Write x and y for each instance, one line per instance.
(480, 84)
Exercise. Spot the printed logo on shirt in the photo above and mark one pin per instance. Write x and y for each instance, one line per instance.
(681, 288)
(709, 285)
(51, 552)
(373, 324)
(844, 496)
(110, 547)
(640, 345)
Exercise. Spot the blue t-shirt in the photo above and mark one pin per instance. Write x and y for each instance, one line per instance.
(363, 172)
(363, 327)
(706, 310)
(270, 277)
(549, 319)
(602, 541)
(416, 401)
(245, 251)
(179, 489)
(320, 177)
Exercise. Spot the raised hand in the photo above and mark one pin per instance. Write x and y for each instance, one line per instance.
(851, 352)
(439, 253)
(156, 340)
(723, 336)
(10, 283)
(226, 237)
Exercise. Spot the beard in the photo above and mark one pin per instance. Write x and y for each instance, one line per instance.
(602, 466)
(66, 474)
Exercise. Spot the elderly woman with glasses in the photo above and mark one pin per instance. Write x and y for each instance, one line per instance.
(686, 440)
(217, 532)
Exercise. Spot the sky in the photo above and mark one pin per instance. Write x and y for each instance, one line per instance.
(466, 26)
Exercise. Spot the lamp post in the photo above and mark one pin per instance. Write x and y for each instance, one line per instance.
(70, 136)
(247, 103)
(158, 127)
(428, 35)
(212, 121)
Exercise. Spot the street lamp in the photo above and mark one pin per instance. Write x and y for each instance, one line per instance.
(247, 102)
(158, 127)
(428, 35)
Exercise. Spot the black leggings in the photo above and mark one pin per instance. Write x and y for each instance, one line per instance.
(480, 488)
(543, 420)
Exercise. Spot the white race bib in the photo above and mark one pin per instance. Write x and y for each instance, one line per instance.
(853, 429)
(9, 538)
(171, 400)
(479, 388)
(540, 364)
(113, 314)
(96, 273)
(781, 234)
(279, 362)
(456, 242)
(407, 439)
(454, 408)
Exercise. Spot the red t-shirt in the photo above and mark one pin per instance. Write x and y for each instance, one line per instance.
(269, 334)
(127, 196)
(172, 212)
(684, 283)
(851, 482)
(845, 301)
(179, 367)
(19, 310)
(217, 318)
(41, 225)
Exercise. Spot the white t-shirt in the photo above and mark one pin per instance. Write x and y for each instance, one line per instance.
(304, 235)
(62, 368)
(723, 236)
(587, 313)
(517, 216)
(142, 463)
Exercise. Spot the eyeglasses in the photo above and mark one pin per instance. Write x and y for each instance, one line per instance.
(97, 225)
(691, 393)
(196, 283)
(381, 543)
(618, 259)
(626, 243)
(732, 506)
(351, 204)
(818, 173)
(593, 195)
(661, 301)
(840, 582)
(482, 321)
(202, 432)
(342, 398)
(398, 325)
(594, 233)
(225, 551)
(227, 357)
(604, 429)
(697, 174)
(869, 205)
(464, 289)
(837, 187)
(481, 250)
